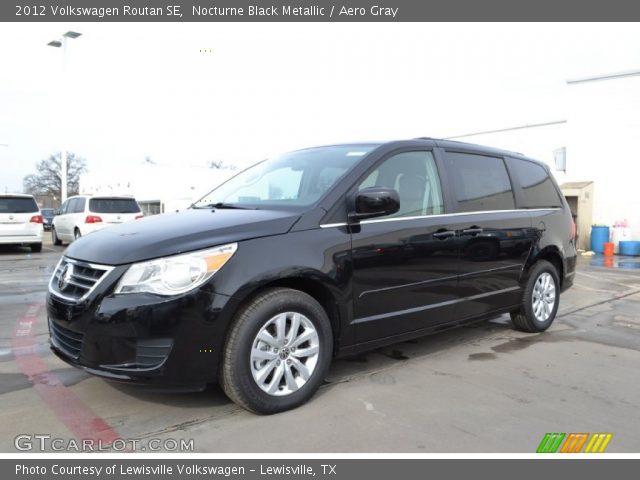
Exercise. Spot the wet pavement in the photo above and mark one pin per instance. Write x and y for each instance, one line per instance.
(481, 388)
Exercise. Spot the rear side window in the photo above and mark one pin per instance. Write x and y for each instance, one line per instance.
(538, 190)
(480, 183)
(79, 207)
(76, 205)
(18, 205)
(113, 205)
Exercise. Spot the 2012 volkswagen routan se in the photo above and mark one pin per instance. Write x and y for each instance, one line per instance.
(320, 252)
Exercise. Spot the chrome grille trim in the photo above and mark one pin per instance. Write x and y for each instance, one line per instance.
(84, 278)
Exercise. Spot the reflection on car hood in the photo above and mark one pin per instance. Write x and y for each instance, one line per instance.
(174, 233)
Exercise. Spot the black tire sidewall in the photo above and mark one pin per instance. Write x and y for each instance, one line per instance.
(54, 235)
(285, 300)
(540, 268)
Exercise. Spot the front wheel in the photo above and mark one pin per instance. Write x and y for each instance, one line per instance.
(278, 352)
(540, 299)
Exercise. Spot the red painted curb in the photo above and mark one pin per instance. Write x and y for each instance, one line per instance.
(78, 417)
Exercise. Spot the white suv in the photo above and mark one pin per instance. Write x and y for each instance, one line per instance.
(20, 221)
(83, 214)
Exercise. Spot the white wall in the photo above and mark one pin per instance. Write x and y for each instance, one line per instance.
(536, 142)
(602, 137)
(603, 145)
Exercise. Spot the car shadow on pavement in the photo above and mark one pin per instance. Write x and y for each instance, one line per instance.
(13, 249)
(342, 370)
(370, 363)
(211, 396)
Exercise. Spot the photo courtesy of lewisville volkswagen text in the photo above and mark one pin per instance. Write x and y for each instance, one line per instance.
(317, 239)
(97, 471)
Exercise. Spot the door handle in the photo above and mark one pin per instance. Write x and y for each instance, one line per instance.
(471, 231)
(442, 234)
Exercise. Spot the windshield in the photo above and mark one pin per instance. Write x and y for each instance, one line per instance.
(295, 179)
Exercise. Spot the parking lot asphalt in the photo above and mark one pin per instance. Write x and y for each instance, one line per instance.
(482, 388)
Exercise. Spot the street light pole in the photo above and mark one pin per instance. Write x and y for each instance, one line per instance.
(6, 189)
(63, 152)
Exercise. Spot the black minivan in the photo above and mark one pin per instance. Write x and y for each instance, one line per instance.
(319, 252)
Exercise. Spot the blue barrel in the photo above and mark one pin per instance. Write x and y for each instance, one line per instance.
(599, 236)
(629, 247)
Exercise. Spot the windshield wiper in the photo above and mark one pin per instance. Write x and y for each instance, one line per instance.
(222, 205)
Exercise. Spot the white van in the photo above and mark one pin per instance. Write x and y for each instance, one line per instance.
(20, 221)
(83, 214)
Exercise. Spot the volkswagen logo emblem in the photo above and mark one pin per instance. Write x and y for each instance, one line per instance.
(65, 276)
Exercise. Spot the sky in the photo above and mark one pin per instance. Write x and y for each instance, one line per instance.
(187, 94)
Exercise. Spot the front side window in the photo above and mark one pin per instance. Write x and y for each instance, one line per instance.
(538, 190)
(415, 177)
(295, 179)
(480, 183)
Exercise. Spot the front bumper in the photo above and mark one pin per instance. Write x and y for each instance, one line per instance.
(168, 343)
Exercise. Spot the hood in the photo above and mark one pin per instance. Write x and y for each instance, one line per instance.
(174, 233)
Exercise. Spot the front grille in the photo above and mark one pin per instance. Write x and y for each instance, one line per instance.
(74, 280)
(68, 341)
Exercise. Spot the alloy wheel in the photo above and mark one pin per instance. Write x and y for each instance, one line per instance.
(544, 297)
(284, 353)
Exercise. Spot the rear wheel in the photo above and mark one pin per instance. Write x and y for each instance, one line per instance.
(54, 237)
(540, 299)
(278, 352)
(76, 234)
(36, 247)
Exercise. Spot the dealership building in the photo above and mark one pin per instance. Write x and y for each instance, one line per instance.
(591, 152)
(157, 188)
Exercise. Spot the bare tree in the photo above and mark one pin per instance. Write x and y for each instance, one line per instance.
(47, 180)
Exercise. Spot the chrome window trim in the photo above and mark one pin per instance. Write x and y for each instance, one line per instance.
(106, 268)
(440, 215)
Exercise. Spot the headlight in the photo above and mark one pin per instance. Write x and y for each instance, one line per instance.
(176, 274)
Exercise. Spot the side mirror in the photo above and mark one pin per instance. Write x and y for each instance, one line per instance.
(375, 202)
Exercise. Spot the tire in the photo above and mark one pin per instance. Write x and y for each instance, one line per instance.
(54, 237)
(76, 234)
(240, 367)
(536, 316)
(36, 247)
